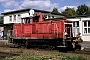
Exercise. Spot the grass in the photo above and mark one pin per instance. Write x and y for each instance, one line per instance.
(52, 56)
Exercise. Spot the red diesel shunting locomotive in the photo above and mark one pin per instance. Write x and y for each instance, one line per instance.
(37, 31)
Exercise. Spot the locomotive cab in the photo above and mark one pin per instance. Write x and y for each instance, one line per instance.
(68, 30)
(28, 20)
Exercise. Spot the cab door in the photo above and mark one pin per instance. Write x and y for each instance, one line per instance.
(68, 30)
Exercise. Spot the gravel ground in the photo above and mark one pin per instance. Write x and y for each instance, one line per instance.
(86, 44)
(8, 52)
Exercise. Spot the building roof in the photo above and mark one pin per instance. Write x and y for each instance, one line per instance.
(80, 16)
(55, 18)
(3, 25)
(27, 9)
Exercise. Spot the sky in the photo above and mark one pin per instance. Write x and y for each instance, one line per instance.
(48, 5)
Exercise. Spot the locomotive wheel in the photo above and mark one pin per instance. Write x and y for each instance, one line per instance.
(14, 45)
(63, 49)
(78, 46)
(27, 44)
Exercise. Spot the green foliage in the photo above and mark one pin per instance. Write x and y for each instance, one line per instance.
(69, 12)
(76, 57)
(1, 19)
(53, 56)
(83, 10)
(55, 10)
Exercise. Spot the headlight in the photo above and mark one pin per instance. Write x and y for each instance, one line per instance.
(65, 33)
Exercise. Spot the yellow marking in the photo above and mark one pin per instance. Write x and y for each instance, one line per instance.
(73, 44)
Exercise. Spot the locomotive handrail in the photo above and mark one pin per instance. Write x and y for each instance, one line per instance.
(55, 28)
(55, 25)
(47, 27)
(73, 32)
(70, 30)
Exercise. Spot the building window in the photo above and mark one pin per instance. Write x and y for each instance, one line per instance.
(52, 16)
(76, 27)
(45, 16)
(14, 17)
(48, 16)
(86, 27)
(19, 17)
(10, 17)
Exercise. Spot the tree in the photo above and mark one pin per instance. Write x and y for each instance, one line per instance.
(83, 10)
(69, 12)
(1, 19)
(55, 10)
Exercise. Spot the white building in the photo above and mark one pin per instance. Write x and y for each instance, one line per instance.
(14, 16)
(82, 24)
(1, 32)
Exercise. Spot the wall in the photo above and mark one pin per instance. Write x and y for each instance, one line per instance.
(85, 37)
(7, 18)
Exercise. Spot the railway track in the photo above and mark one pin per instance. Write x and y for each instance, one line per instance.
(4, 55)
(80, 52)
(6, 51)
(85, 51)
